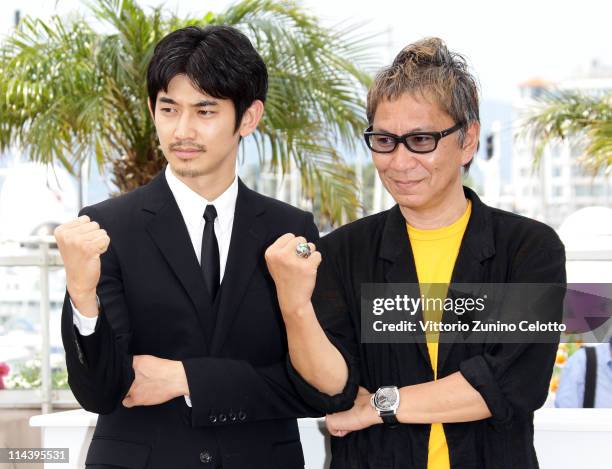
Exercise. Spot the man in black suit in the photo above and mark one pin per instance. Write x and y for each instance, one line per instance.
(171, 324)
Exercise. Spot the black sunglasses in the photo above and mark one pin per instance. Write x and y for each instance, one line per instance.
(416, 142)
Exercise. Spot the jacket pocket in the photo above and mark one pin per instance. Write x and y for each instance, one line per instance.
(288, 455)
(381, 462)
(119, 453)
(497, 454)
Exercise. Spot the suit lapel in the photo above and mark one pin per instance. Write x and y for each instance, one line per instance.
(477, 245)
(169, 232)
(400, 267)
(245, 251)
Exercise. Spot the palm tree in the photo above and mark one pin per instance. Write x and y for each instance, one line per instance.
(69, 93)
(587, 119)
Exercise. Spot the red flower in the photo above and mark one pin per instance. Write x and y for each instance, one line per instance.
(4, 369)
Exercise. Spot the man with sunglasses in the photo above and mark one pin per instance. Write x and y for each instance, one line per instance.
(432, 404)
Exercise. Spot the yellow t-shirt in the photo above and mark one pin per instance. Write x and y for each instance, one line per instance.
(435, 252)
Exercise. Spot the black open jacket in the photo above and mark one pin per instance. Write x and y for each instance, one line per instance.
(153, 301)
(513, 379)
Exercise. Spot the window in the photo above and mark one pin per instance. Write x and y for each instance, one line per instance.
(597, 190)
(577, 171)
(581, 190)
(576, 150)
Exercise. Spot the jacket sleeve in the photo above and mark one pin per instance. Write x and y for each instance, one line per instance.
(514, 378)
(99, 365)
(333, 313)
(227, 391)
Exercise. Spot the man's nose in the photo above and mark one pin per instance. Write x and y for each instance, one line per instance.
(185, 128)
(403, 159)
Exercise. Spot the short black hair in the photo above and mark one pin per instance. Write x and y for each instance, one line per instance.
(219, 60)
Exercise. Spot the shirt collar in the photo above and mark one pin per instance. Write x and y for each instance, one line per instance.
(192, 204)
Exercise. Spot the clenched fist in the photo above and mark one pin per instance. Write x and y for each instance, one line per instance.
(81, 242)
(294, 276)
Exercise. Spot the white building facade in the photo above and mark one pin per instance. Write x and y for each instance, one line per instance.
(560, 186)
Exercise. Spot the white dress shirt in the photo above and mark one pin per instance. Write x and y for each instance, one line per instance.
(192, 206)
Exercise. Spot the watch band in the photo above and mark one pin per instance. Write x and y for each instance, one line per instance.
(388, 417)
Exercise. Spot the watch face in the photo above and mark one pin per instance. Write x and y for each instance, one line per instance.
(385, 398)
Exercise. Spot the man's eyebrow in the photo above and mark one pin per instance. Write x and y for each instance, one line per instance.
(167, 100)
(203, 103)
(415, 129)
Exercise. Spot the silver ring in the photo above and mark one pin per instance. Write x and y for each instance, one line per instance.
(302, 250)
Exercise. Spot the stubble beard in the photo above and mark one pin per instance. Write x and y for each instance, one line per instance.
(189, 173)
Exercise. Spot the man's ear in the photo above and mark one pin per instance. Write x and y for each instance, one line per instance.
(251, 118)
(150, 109)
(470, 142)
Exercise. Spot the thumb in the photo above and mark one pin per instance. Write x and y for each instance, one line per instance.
(339, 433)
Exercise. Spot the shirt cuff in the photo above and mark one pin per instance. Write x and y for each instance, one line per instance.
(477, 372)
(84, 324)
(188, 401)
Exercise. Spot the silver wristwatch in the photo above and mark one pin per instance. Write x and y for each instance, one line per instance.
(386, 401)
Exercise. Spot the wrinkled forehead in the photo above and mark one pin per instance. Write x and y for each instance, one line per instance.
(410, 112)
(424, 97)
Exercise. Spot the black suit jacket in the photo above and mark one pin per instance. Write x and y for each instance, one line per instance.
(513, 379)
(153, 300)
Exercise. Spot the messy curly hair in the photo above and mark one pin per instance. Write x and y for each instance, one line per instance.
(428, 68)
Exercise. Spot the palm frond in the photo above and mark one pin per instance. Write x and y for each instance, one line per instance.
(587, 119)
(68, 92)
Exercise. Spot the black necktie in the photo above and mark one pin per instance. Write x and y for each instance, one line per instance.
(210, 253)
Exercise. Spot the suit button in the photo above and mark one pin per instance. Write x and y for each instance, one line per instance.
(222, 418)
(213, 418)
(205, 457)
(232, 416)
(242, 415)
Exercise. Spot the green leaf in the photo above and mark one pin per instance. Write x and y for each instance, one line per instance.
(69, 92)
(586, 118)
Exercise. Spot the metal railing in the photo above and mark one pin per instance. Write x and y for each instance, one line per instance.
(45, 258)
